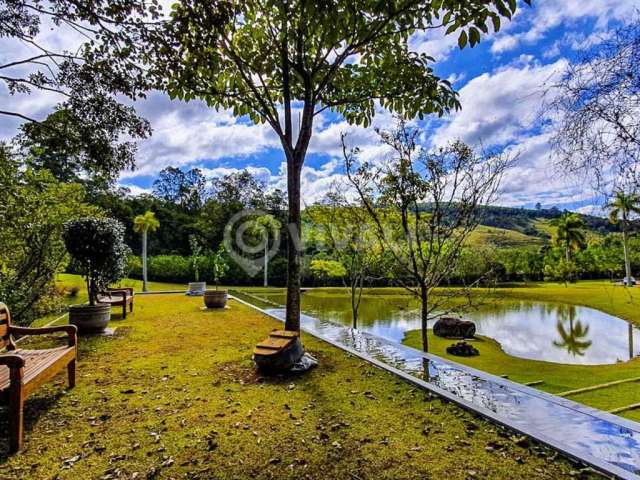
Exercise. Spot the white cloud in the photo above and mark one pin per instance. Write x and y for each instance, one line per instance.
(548, 14)
(499, 107)
(187, 133)
(434, 43)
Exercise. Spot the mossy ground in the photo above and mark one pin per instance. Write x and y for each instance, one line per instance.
(174, 395)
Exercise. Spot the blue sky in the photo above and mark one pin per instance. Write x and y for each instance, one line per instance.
(501, 83)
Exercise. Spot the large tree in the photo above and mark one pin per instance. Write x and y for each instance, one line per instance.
(91, 133)
(91, 149)
(83, 81)
(278, 60)
(186, 189)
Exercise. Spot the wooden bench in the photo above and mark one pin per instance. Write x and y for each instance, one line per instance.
(23, 371)
(118, 297)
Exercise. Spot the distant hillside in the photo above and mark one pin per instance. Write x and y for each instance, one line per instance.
(536, 222)
(507, 227)
(503, 238)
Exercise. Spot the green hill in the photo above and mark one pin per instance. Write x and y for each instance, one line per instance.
(507, 227)
(536, 222)
(503, 238)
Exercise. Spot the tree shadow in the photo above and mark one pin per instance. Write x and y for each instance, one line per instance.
(34, 408)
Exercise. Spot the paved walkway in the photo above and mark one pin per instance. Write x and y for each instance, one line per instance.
(605, 441)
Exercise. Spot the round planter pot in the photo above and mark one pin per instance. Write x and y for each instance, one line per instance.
(215, 298)
(90, 319)
(197, 288)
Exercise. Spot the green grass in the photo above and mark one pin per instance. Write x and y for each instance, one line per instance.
(68, 282)
(503, 238)
(174, 395)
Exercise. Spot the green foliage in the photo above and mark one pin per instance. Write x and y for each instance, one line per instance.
(186, 189)
(324, 269)
(219, 264)
(97, 246)
(563, 270)
(33, 208)
(77, 149)
(570, 233)
(145, 223)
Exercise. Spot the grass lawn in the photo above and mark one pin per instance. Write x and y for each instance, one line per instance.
(174, 395)
(69, 281)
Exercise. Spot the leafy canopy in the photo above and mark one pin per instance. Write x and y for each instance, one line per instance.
(340, 55)
(623, 205)
(146, 223)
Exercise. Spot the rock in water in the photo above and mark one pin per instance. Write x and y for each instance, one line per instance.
(462, 349)
(450, 327)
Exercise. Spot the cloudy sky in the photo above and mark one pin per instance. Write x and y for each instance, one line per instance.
(501, 84)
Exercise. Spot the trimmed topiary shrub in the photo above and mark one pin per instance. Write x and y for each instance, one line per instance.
(98, 250)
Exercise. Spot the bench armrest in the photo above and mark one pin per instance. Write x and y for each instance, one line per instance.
(12, 360)
(70, 330)
(127, 290)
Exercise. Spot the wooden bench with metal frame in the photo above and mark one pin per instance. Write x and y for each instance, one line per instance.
(118, 296)
(24, 371)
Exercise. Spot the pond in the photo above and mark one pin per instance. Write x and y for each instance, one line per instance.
(551, 332)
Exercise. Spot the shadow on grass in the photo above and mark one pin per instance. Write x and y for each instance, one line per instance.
(34, 408)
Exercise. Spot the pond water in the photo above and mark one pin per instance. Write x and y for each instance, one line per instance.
(551, 332)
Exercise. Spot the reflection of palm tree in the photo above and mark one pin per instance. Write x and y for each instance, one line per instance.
(573, 339)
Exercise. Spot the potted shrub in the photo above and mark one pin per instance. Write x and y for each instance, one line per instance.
(197, 287)
(217, 298)
(100, 254)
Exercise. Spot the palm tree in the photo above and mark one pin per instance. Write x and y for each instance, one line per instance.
(622, 207)
(143, 224)
(261, 227)
(569, 234)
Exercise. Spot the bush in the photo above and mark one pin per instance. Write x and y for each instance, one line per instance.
(98, 250)
(33, 207)
(179, 269)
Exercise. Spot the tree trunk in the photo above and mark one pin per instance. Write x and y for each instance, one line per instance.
(292, 320)
(356, 295)
(424, 316)
(144, 261)
(625, 245)
(266, 262)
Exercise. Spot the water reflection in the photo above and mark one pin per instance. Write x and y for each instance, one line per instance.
(574, 339)
(533, 330)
